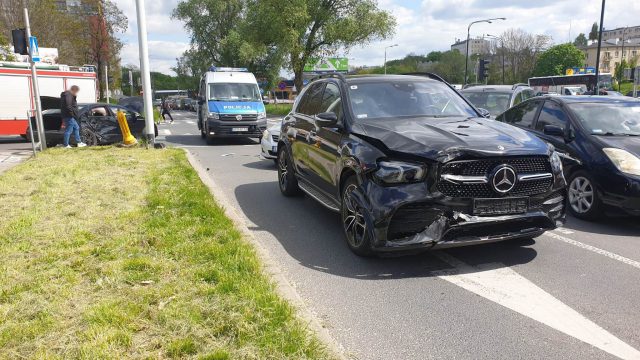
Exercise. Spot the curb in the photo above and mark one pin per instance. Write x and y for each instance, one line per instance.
(283, 286)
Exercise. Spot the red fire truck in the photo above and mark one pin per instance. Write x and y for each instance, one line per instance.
(16, 97)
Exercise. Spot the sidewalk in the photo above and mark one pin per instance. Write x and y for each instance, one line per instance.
(13, 151)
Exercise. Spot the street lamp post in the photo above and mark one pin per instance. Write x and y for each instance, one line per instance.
(597, 89)
(385, 56)
(466, 61)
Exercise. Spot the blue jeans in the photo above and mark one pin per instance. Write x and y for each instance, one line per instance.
(71, 125)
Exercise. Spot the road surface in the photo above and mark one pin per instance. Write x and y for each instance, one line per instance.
(573, 293)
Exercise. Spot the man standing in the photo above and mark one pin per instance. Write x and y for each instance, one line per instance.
(69, 112)
(166, 110)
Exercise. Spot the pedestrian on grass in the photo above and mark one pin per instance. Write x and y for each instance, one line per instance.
(166, 110)
(69, 112)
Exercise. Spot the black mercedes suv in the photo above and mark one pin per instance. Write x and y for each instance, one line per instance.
(411, 165)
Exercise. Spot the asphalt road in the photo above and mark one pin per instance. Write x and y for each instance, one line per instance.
(573, 293)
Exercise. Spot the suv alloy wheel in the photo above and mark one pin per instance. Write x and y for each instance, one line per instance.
(354, 220)
(287, 181)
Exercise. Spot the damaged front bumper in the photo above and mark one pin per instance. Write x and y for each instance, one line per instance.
(410, 217)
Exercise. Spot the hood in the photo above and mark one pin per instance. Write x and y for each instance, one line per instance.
(443, 138)
(236, 107)
(629, 143)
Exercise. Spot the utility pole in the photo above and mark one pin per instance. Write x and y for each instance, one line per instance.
(385, 56)
(145, 72)
(106, 83)
(622, 59)
(466, 61)
(34, 83)
(597, 89)
(131, 82)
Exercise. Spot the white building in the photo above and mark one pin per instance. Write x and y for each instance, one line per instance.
(477, 46)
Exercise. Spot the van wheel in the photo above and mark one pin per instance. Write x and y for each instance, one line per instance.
(584, 202)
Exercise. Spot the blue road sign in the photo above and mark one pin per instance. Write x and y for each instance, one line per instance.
(33, 49)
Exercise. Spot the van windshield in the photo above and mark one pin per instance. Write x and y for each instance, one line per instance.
(234, 92)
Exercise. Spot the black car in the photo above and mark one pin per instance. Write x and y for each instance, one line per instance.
(98, 123)
(411, 165)
(598, 138)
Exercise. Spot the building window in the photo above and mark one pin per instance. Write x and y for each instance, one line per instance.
(617, 53)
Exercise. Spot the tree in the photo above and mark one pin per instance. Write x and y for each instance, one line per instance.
(5, 51)
(298, 31)
(593, 34)
(521, 51)
(557, 59)
(581, 41)
(451, 66)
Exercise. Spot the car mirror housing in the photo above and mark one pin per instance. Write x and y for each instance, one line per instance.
(553, 130)
(326, 119)
(484, 113)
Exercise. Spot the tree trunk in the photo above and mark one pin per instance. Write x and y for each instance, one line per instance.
(298, 80)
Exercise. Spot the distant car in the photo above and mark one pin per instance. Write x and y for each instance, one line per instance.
(269, 142)
(630, 93)
(98, 123)
(496, 99)
(598, 138)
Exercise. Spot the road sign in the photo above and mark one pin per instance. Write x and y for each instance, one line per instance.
(33, 49)
(327, 65)
(282, 85)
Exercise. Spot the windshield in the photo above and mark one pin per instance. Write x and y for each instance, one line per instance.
(494, 102)
(609, 119)
(389, 99)
(234, 92)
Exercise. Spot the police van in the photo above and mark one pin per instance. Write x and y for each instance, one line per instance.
(230, 104)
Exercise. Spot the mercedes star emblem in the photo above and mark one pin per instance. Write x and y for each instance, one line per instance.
(504, 179)
(500, 147)
(238, 117)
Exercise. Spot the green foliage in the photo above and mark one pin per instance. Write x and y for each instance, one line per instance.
(278, 109)
(593, 34)
(5, 50)
(580, 41)
(557, 59)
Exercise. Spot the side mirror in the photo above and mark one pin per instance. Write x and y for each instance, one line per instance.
(553, 130)
(326, 119)
(484, 113)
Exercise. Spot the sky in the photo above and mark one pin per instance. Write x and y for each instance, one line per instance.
(423, 25)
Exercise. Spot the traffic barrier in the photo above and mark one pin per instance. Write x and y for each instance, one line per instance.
(127, 137)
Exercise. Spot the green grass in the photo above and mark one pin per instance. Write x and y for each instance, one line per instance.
(278, 109)
(122, 253)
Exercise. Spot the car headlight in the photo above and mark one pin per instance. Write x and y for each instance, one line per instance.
(262, 115)
(556, 163)
(623, 160)
(214, 116)
(397, 172)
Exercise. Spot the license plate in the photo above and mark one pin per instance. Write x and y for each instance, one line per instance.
(509, 206)
(240, 129)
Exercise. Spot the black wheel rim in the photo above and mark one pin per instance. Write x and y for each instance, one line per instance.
(355, 226)
(283, 171)
(89, 138)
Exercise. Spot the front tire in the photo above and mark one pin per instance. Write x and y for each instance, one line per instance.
(287, 181)
(357, 229)
(583, 199)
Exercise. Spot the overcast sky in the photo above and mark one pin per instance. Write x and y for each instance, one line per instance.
(423, 25)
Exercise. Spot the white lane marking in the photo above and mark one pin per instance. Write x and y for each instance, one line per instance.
(188, 134)
(165, 131)
(506, 287)
(594, 249)
(190, 122)
(564, 231)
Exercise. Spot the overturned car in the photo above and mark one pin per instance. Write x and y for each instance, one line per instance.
(411, 165)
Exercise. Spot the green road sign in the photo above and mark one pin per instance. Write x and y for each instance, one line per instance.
(327, 65)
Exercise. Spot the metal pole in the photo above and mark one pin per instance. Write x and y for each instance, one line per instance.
(622, 59)
(36, 88)
(466, 57)
(33, 141)
(385, 61)
(106, 83)
(597, 89)
(131, 81)
(502, 41)
(144, 72)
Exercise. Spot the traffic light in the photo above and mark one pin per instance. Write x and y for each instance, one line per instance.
(483, 70)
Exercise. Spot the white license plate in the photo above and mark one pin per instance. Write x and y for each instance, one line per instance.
(240, 129)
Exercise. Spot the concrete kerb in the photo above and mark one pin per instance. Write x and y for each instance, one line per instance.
(284, 287)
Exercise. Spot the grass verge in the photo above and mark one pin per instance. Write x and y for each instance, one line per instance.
(278, 109)
(123, 253)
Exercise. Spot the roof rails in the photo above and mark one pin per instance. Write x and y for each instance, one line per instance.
(329, 75)
(227, 69)
(515, 86)
(429, 75)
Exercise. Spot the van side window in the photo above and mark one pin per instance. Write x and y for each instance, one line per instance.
(310, 104)
(551, 114)
(522, 115)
